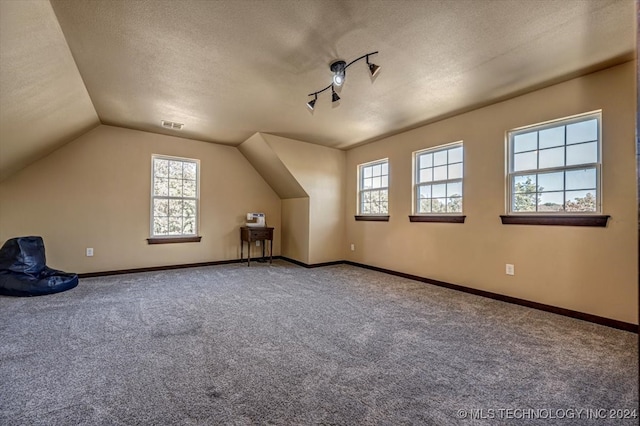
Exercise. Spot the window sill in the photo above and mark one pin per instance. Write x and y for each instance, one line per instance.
(173, 240)
(437, 218)
(556, 220)
(372, 218)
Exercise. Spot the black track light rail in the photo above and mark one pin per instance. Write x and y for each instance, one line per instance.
(320, 91)
(344, 69)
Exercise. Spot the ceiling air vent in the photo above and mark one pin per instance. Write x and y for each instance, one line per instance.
(172, 125)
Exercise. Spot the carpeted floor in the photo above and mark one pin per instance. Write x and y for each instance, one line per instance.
(286, 345)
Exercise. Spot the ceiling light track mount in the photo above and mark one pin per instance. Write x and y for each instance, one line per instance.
(339, 70)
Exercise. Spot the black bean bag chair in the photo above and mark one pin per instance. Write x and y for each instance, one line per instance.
(23, 270)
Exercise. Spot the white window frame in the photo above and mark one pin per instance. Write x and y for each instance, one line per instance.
(362, 191)
(417, 184)
(511, 174)
(154, 197)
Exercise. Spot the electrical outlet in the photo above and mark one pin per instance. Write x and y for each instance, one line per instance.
(510, 269)
(353, 247)
(257, 243)
(89, 251)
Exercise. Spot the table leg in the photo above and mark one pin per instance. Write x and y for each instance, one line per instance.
(271, 252)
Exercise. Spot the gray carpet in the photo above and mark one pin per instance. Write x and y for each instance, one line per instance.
(286, 345)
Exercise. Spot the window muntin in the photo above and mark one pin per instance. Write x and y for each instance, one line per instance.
(438, 180)
(174, 196)
(373, 188)
(554, 168)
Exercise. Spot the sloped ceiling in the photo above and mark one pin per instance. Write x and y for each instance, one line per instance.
(262, 157)
(44, 102)
(228, 69)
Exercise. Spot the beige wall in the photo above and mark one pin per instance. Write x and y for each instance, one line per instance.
(310, 179)
(295, 201)
(321, 172)
(295, 229)
(95, 192)
(592, 270)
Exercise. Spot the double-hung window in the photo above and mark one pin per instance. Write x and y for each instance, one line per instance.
(438, 180)
(554, 168)
(174, 197)
(373, 188)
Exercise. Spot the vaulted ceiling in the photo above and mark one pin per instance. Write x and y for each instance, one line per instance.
(230, 68)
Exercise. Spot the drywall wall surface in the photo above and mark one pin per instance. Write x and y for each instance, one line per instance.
(270, 167)
(321, 172)
(591, 270)
(295, 229)
(95, 192)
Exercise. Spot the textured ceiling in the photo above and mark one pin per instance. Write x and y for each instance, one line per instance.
(228, 69)
(43, 102)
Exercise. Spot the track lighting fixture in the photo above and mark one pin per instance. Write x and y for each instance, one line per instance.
(373, 68)
(339, 70)
(334, 95)
(312, 103)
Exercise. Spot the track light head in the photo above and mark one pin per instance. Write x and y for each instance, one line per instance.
(312, 103)
(338, 69)
(373, 68)
(334, 95)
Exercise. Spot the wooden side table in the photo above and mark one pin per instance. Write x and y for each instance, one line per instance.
(251, 234)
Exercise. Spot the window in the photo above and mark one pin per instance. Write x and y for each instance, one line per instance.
(374, 188)
(174, 197)
(554, 168)
(438, 180)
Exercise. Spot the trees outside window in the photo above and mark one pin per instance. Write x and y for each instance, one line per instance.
(373, 188)
(438, 180)
(174, 196)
